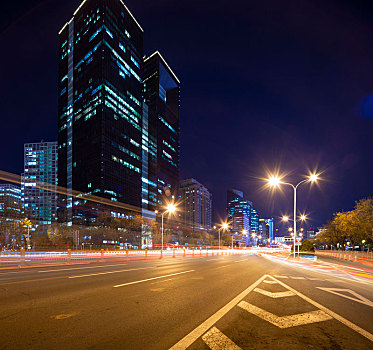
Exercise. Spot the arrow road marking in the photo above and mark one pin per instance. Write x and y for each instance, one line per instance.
(359, 298)
(288, 293)
(216, 340)
(286, 321)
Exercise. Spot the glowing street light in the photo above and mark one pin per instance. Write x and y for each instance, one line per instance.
(275, 181)
(170, 209)
(285, 218)
(224, 226)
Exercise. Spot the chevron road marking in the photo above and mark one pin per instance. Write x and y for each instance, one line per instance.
(206, 325)
(216, 340)
(286, 321)
(270, 282)
(357, 297)
(288, 293)
(339, 318)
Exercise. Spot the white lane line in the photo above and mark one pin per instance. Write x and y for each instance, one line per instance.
(219, 267)
(269, 282)
(109, 272)
(205, 326)
(240, 260)
(216, 340)
(169, 279)
(5, 273)
(285, 294)
(279, 276)
(153, 278)
(315, 279)
(286, 321)
(339, 318)
(79, 268)
(297, 278)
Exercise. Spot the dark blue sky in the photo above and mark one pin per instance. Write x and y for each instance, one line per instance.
(264, 84)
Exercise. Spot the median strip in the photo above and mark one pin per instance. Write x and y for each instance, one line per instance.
(153, 278)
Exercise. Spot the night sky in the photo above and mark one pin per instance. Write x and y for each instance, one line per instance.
(264, 85)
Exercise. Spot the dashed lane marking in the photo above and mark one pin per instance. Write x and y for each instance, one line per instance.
(216, 340)
(286, 321)
(110, 272)
(206, 325)
(297, 277)
(356, 296)
(280, 276)
(287, 293)
(153, 278)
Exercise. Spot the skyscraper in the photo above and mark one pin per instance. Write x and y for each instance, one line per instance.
(195, 205)
(40, 166)
(161, 95)
(100, 103)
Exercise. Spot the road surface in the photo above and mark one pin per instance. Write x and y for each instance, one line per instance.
(220, 302)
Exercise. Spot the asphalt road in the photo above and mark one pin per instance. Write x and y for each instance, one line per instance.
(229, 302)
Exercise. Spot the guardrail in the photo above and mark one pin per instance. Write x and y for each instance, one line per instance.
(355, 256)
(30, 257)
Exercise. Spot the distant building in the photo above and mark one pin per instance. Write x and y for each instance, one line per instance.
(10, 202)
(195, 204)
(263, 230)
(40, 166)
(270, 225)
(254, 222)
(239, 212)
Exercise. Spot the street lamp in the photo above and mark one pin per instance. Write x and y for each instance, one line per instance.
(275, 181)
(171, 208)
(224, 226)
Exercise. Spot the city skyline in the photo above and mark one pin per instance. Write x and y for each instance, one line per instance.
(327, 137)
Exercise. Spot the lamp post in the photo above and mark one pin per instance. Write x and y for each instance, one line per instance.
(171, 208)
(223, 227)
(275, 181)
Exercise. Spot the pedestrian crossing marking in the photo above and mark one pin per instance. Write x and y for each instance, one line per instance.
(216, 340)
(287, 293)
(286, 321)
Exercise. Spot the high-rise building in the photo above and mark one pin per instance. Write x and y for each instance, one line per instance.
(40, 168)
(100, 104)
(10, 202)
(238, 206)
(161, 95)
(254, 224)
(195, 205)
(270, 225)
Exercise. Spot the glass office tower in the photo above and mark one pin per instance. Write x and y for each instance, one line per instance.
(40, 167)
(161, 95)
(100, 104)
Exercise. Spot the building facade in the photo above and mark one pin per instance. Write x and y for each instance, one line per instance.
(40, 168)
(161, 95)
(100, 104)
(10, 202)
(195, 205)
